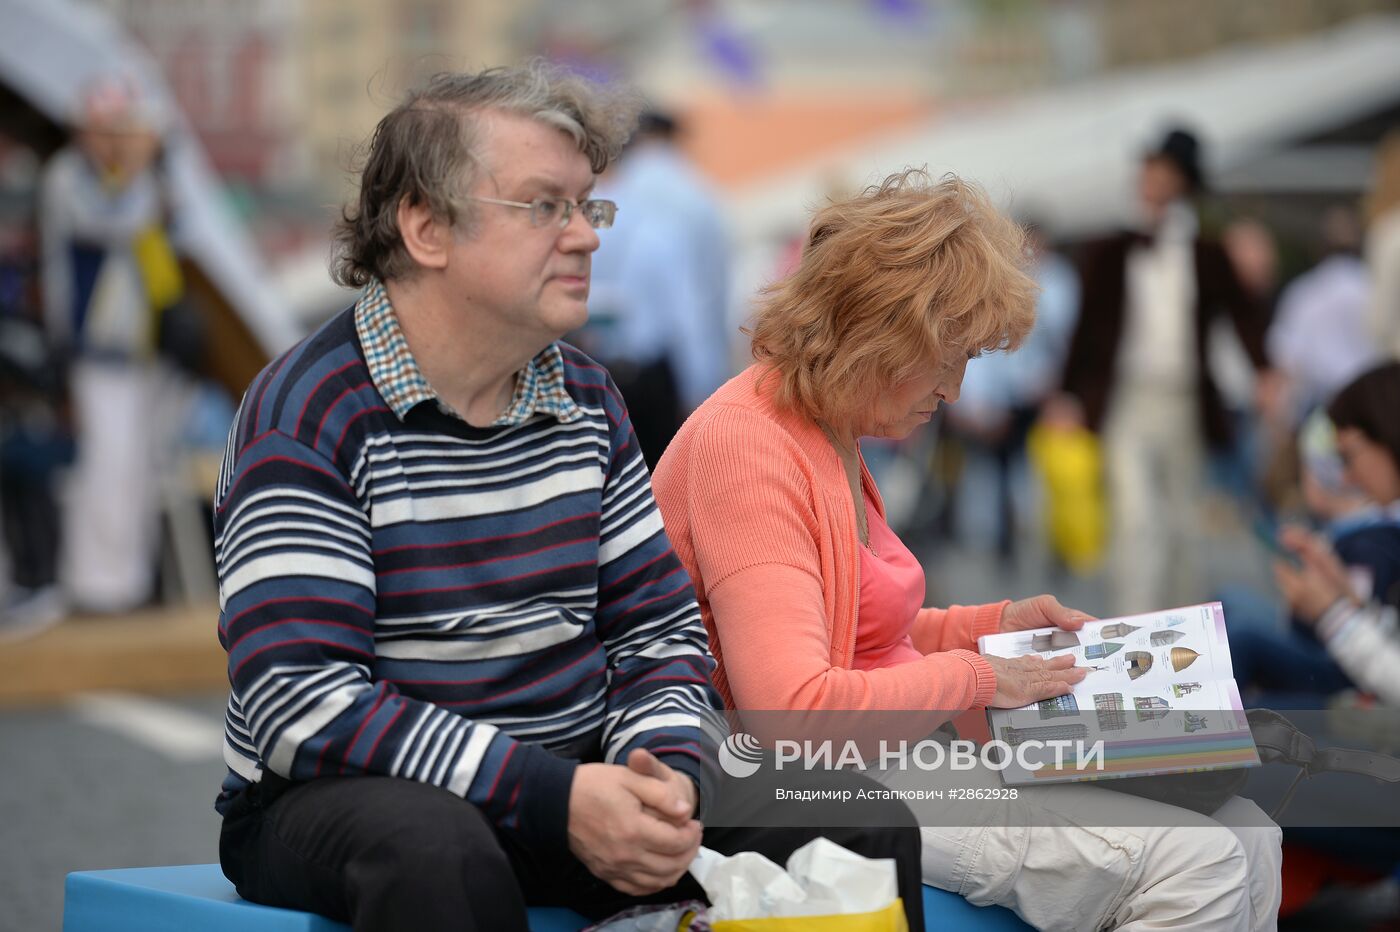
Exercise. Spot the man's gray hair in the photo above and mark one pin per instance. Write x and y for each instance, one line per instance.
(428, 149)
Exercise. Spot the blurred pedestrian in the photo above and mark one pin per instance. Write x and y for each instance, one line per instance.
(107, 270)
(1253, 253)
(1320, 339)
(34, 446)
(1347, 595)
(1003, 393)
(1137, 373)
(1267, 652)
(1383, 244)
(659, 307)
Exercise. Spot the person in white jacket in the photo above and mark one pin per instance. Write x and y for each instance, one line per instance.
(98, 197)
(1359, 629)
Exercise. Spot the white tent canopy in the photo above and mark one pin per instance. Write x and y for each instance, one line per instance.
(50, 50)
(1070, 153)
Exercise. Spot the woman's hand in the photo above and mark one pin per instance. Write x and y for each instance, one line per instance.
(1317, 582)
(1023, 680)
(1042, 611)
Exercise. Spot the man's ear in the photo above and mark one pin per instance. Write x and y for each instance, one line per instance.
(426, 237)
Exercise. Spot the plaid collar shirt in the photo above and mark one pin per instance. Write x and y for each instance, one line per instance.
(539, 387)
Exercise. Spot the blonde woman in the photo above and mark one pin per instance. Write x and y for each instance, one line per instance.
(812, 603)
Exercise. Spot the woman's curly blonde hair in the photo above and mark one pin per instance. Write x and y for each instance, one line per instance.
(892, 281)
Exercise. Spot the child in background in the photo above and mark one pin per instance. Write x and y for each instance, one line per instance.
(1348, 594)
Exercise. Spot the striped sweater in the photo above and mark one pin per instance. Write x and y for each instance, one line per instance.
(479, 609)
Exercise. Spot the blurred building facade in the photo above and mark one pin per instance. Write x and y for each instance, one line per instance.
(232, 66)
(283, 92)
(1137, 32)
(358, 57)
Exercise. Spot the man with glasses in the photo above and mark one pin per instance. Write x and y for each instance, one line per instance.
(468, 673)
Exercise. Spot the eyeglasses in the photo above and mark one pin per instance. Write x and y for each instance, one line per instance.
(558, 211)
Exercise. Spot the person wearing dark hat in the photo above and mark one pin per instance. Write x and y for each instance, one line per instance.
(1137, 372)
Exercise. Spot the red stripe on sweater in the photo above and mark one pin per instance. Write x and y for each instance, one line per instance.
(289, 643)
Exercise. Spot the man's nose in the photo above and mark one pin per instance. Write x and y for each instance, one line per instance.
(578, 235)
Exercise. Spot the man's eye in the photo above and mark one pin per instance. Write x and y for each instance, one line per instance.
(547, 208)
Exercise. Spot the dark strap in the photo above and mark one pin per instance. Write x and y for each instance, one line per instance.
(1366, 763)
(1280, 741)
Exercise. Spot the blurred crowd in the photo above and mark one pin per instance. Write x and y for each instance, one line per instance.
(1186, 372)
(1174, 374)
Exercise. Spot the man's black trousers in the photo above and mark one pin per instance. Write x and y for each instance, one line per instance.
(384, 853)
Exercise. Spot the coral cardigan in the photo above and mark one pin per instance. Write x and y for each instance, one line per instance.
(757, 506)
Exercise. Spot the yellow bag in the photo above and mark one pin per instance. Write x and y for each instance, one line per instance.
(1071, 467)
(889, 919)
(159, 267)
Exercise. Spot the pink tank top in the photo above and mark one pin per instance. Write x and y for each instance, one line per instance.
(891, 594)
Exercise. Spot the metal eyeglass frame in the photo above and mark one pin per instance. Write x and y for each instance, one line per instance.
(598, 214)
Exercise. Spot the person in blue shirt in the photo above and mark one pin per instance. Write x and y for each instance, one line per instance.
(659, 307)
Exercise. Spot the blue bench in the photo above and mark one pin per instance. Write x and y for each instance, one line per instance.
(196, 896)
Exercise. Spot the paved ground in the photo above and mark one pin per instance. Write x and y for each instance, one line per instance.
(76, 795)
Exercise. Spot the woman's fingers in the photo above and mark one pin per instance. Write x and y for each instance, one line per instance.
(1023, 680)
(1049, 684)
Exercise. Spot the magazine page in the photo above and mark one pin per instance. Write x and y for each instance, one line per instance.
(1160, 696)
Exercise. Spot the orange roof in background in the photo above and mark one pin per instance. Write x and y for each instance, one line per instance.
(738, 140)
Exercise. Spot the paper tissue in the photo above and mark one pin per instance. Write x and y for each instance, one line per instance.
(825, 886)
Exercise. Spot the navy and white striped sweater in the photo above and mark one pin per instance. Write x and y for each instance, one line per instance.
(475, 608)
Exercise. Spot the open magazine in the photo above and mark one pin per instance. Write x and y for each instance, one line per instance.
(1160, 696)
